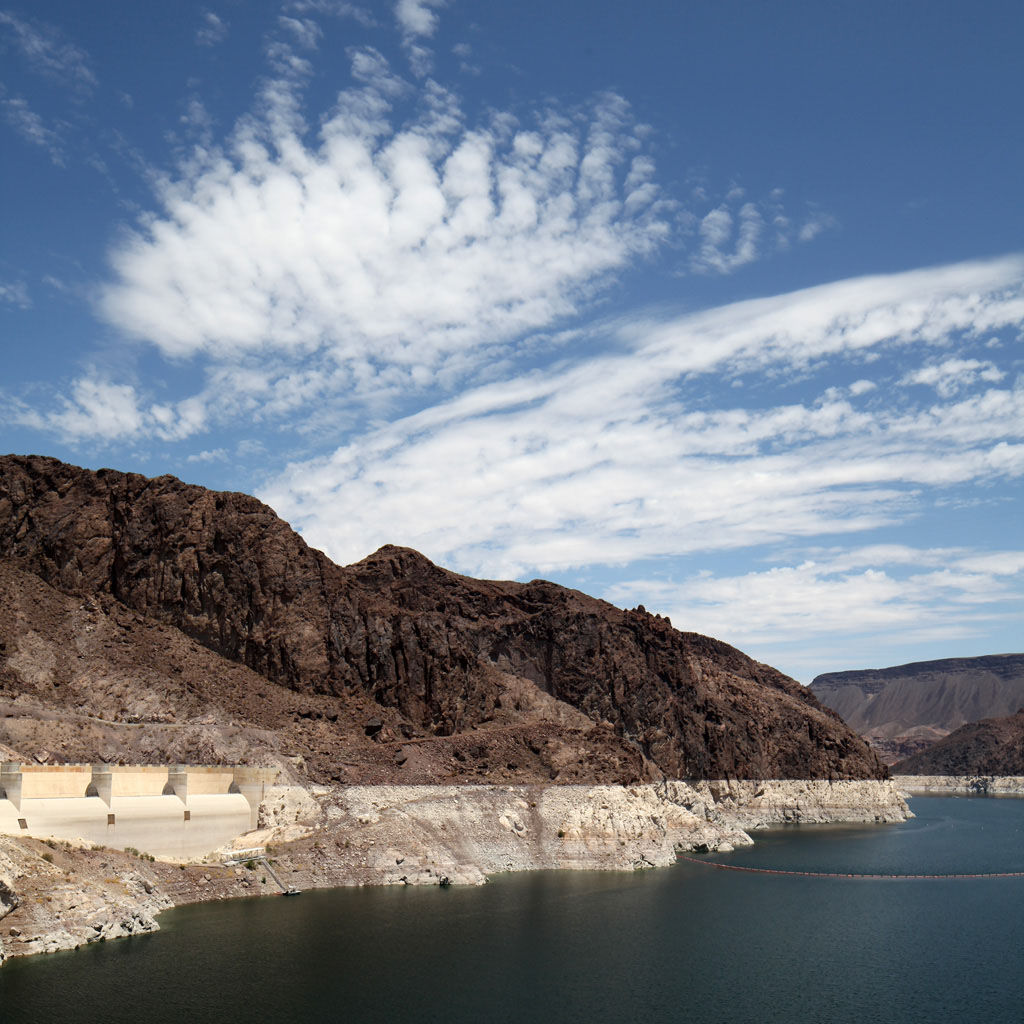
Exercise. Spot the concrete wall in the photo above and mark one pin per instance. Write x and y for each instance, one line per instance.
(137, 780)
(209, 780)
(9, 815)
(174, 812)
(41, 781)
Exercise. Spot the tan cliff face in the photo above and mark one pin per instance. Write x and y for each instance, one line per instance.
(393, 666)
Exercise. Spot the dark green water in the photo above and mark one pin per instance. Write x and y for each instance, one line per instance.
(690, 943)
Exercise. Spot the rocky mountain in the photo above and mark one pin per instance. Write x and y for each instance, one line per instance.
(905, 709)
(993, 746)
(88, 680)
(149, 616)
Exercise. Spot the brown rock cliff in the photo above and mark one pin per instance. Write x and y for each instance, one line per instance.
(434, 649)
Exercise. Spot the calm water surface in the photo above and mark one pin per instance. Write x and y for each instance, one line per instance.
(689, 943)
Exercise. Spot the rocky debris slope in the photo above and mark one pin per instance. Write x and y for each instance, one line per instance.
(905, 709)
(448, 676)
(993, 746)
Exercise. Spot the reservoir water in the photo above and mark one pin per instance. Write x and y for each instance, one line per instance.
(689, 943)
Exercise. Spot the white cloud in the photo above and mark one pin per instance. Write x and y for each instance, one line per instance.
(212, 31)
(418, 250)
(197, 120)
(417, 17)
(894, 595)
(15, 293)
(816, 223)
(464, 51)
(606, 461)
(382, 257)
(953, 375)
(334, 8)
(97, 408)
(847, 318)
(305, 31)
(738, 230)
(727, 242)
(418, 21)
(209, 455)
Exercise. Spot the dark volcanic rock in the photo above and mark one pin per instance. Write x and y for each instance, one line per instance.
(441, 651)
(904, 709)
(994, 746)
(91, 680)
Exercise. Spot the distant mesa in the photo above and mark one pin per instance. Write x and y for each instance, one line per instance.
(904, 710)
(146, 620)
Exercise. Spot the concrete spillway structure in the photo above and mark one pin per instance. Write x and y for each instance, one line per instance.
(175, 812)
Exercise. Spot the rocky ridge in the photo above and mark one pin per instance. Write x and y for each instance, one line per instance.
(991, 747)
(397, 649)
(91, 681)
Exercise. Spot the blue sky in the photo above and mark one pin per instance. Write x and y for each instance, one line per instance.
(716, 308)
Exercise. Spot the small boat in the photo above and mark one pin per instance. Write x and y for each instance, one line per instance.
(291, 892)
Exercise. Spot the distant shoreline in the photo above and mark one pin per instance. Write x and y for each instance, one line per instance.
(973, 785)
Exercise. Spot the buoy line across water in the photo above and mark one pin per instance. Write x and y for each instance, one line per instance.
(845, 874)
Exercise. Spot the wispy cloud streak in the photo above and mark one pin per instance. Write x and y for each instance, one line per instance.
(618, 458)
(48, 53)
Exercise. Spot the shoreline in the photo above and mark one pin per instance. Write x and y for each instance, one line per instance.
(67, 895)
(976, 785)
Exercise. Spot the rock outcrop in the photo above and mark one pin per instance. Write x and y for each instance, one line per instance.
(905, 709)
(69, 895)
(419, 653)
(991, 747)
